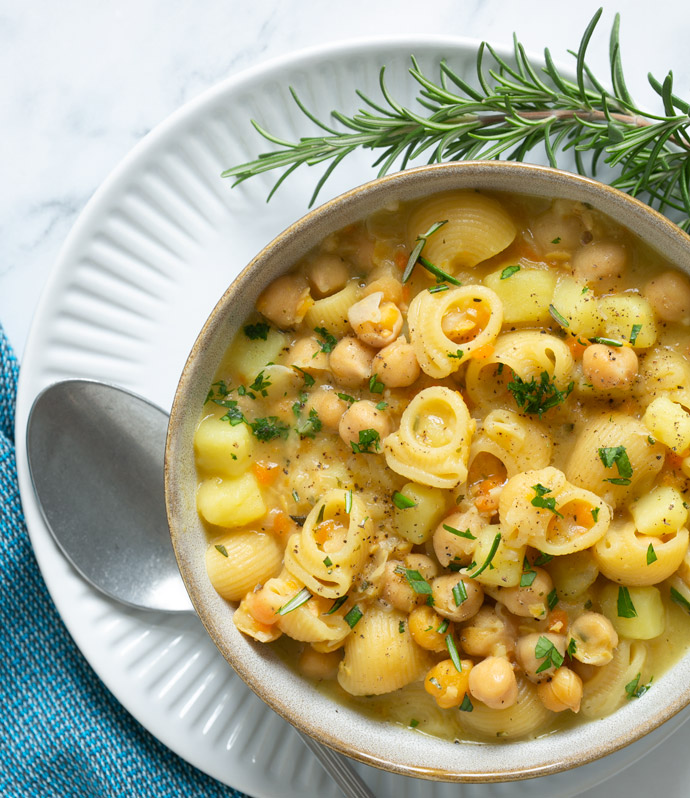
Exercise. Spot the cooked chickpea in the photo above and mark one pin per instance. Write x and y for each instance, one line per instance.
(487, 634)
(451, 547)
(285, 301)
(320, 664)
(555, 229)
(530, 601)
(492, 681)
(350, 361)
(599, 263)
(562, 691)
(424, 625)
(445, 601)
(397, 589)
(305, 353)
(327, 273)
(420, 562)
(607, 367)
(361, 416)
(396, 365)
(669, 295)
(375, 321)
(328, 405)
(389, 286)
(595, 638)
(447, 684)
(531, 664)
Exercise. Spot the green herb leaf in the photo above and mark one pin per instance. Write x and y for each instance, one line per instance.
(368, 438)
(633, 689)
(634, 333)
(296, 601)
(353, 617)
(466, 534)
(308, 379)
(443, 627)
(626, 608)
(416, 581)
(328, 341)
(528, 574)
(595, 513)
(257, 331)
(466, 705)
(260, 384)
(453, 651)
(375, 385)
(618, 455)
(458, 354)
(221, 548)
(417, 249)
(459, 593)
(348, 502)
(382, 405)
(490, 556)
(651, 555)
(347, 398)
(572, 647)
(680, 599)
(509, 271)
(337, 604)
(403, 502)
(308, 427)
(605, 341)
(543, 558)
(234, 415)
(557, 317)
(552, 599)
(327, 562)
(436, 289)
(543, 501)
(547, 651)
(537, 397)
(267, 429)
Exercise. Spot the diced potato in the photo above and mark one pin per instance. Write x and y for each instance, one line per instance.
(417, 523)
(505, 568)
(660, 512)
(231, 502)
(578, 305)
(650, 620)
(525, 294)
(248, 356)
(669, 423)
(221, 448)
(622, 313)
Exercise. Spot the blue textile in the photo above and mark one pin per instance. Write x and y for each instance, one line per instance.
(62, 733)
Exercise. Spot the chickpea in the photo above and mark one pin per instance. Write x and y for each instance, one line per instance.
(327, 273)
(350, 361)
(557, 228)
(525, 653)
(444, 600)
(447, 684)
(600, 262)
(420, 562)
(595, 638)
(492, 681)
(397, 589)
(669, 295)
(320, 665)
(562, 691)
(424, 626)
(328, 405)
(607, 367)
(389, 286)
(396, 365)
(376, 322)
(487, 634)
(530, 601)
(449, 547)
(285, 301)
(362, 416)
(305, 353)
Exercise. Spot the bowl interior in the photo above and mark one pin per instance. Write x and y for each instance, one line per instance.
(384, 745)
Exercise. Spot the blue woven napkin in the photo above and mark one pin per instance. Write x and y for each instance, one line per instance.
(63, 733)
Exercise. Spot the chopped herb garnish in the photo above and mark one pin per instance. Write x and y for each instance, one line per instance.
(308, 427)
(419, 246)
(403, 502)
(556, 240)
(584, 290)
(537, 397)
(296, 601)
(337, 604)
(353, 617)
(605, 341)
(543, 501)
(572, 647)
(546, 650)
(414, 723)
(221, 548)
(322, 512)
(257, 331)
(618, 455)
(466, 705)
(458, 354)
(234, 415)
(443, 628)
(435, 289)
(552, 599)
(459, 593)
(490, 556)
(509, 271)
(328, 341)
(626, 608)
(466, 534)
(401, 627)
(260, 384)
(453, 651)
(327, 562)
(416, 581)
(295, 495)
(382, 405)
(680, 599)
(348, 502)
(528, 574)
(267, 429)
(308, 379)
(543, 558)
(438, 273)
(347, 398)
(367, 439)
(651, 555)
(557, 317)
(634, 333)
(634, 689)
(375, 385)
(650, 440)
(595, 513)
(221, 389)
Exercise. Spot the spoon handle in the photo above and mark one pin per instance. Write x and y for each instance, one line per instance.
(339, 769)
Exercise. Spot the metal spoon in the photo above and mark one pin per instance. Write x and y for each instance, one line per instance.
(95, 455)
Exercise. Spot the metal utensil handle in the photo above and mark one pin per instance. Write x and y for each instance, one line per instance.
(340, 770)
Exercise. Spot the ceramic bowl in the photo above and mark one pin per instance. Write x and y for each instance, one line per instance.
(387, 746)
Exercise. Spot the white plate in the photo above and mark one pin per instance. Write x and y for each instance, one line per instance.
(142, 268)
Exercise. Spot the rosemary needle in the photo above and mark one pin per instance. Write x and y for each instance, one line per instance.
(512, 108)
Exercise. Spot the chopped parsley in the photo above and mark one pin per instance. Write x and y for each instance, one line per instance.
(625, 606)
(466, 534)
(416, 581)
(543, 501)
(308, 379)
(509, 271)
(651, 555)
(458, 354)
(528, 574)
(552, 599)
(347, 398)
(403, 502)
(572, 647)
(466, 705)
(546, 651)
(543, 558)
(353, 617)
(618, 455)
(556, 240)
(269, 428)
(595, 513)
(375, 385)
(634, 333)
(308, 427)
(680, 599)
(634, 689)
(234, 415)
(258, 331)
(414, 723)
(348, 502)
(221, 390)
(367, 439)
(401, 627)
(296, 601)
(537, 397)
(327, 562)
(381, 405)
(328, 340)
(221, 548)
(260, 384)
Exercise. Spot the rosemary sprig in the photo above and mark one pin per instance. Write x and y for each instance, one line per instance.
(512, 109)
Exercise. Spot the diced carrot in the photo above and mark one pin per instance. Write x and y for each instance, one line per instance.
(483, 352)
(576, 345)
(401, 258)
(406, 292)
(265, 472)
(674, 460)
(484, 500)
(557, 621)
(283, 525)
(323, 531)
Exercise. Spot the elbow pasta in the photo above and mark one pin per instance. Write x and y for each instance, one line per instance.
(438, 498)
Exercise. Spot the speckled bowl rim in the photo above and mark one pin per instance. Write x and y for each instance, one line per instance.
(387, 746)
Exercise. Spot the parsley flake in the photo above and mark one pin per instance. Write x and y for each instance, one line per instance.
(633, 689)
(258, 331)
(267, 429)
(328, 340)
(625, 606)
(509, 271)
(618, 455)
(221, 548)
(466, 534)
(537, 397)
(543, 501)
(368, 438)
(375, 385)
(308, 427)
(546, 650)
(403, 502)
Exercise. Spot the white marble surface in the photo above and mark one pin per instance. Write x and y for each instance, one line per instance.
(85, 81)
